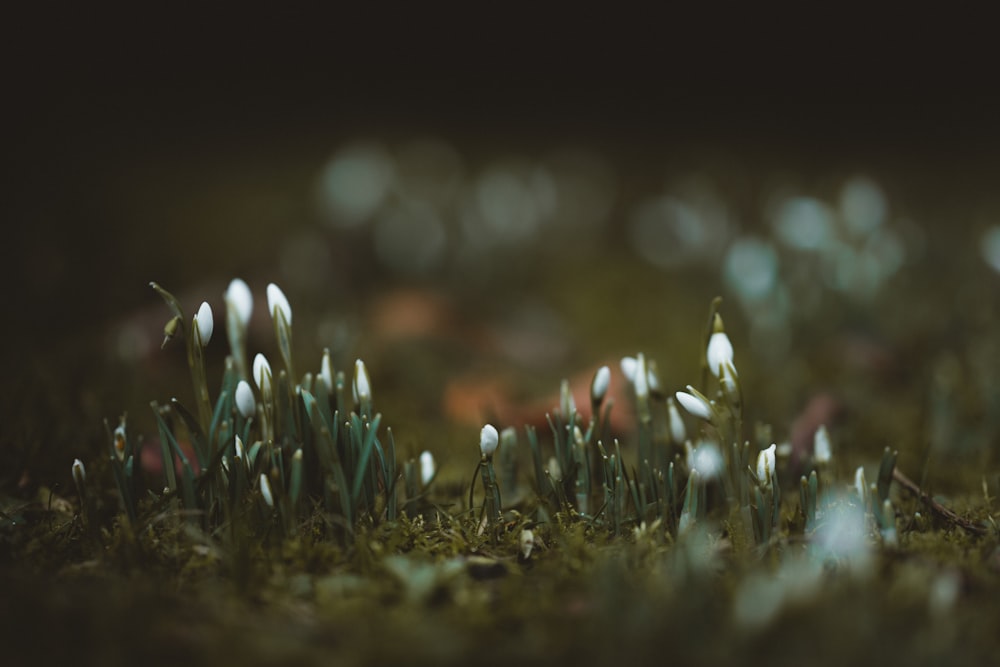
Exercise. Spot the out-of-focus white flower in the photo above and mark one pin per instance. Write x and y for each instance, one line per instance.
(728, 380)
(362, 386)
(489, 439)
(766, 465)
(427, 467)
(641, 379)
(265, 490)
(276, 301)
(245, 402)
(120, 440)
(262, 373)
(629, 365)
(694, 404)
(822, 452)
(326, 371)
(861, 484)
(555, 470)
(240, 299)
(944, 592)
(705, 458)
(599, 385)
(719, 353)
(205, 323)
(677, 431)
(79, 473)
(567, 404)
(527, 542)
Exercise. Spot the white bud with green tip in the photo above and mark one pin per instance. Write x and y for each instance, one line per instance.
(276, 301)
(205, 323)
(489, 439)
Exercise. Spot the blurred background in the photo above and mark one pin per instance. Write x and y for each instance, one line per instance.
(480, 203)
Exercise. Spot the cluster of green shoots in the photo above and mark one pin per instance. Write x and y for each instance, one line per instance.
(274, 449)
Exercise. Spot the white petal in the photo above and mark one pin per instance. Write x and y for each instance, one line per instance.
(205, 323)
(240, 299)
(427, 467)
(245, 402)
(719, 353)
(488, 440)
(276, 299)
(694, 405)
(261, 371)
(362, 387)
(599, 386)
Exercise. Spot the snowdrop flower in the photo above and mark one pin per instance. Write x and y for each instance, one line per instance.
(489, 439)
(205, 323)
(728, 381)
(555, 470)
(861, 484)
(276, 301)
(629, 366)
(641, 378)
(119, 440)
(362, 386)
(527, 542)
(821, 445)
(705, 458)
(677, 431)
(262, 373)
(427, 467)
(79, 473)
(765, 465)
(239, 447)
(326, 371)
(245, 403)
(240, 300)
(719, 353)
(694, 403)
(265, 490)
(599, 385)
(567, 404)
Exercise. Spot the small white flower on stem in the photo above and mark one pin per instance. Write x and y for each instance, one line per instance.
(527, 542)
(427, 467)
(265, 490)
(629, 365)
(719, 352)
(641, 379)
(489, 439)
(276, 301)
(678, 433)
(240, 299)
(694, 404)
(728, 381)
(205, 323)
(362, 386)
(705, 458)
(79, 473)
(120, 440)
(599, 385)
(262, 372)
(861, 484)
(239, 448)
(554, 469)
(822, 451)
(326, 371)
(245, 402)
(766, 465)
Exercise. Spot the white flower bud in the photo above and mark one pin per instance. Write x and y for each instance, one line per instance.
(245, 402)
(262, 372)
(326, 371)
(427, 467)
(555, 470)
(719, 353)
(695, 405)
(239, 448)
(641, 378)
(822, 452)
(728, 380)
(599, 385)
(205, 323)
(677, 431)
(489, 439)
(120, 440)
(79, 473)
(276, 301)
(527, 542)
(766, 464)
(861, 484)
(265, 490)
(705, 458)
(362, 386)
(240, 300)
(629, 366)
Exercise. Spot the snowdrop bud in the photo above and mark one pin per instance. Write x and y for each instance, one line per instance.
(276, 300)
(239, 447)
(694, 404)
(641, 379)
(599, 385)
(326, 371)
(677, 431)
(527, 542)
(719, 353)
(860, 483)
(821, 445)
(567, 404)
(728, 380)
(653, 377)
(265, 490)
(766, 465)
(629, 366)
(362, 387)
(120, 441)
(427, 467)
(245, 402)
(79, 473)
(555, 470)
(205, 323)
(489, 438)
(240, 300)
(262, 372)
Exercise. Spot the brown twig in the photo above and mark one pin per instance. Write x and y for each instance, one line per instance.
(935, 506)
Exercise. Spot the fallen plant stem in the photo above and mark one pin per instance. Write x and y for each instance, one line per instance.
(936, 507)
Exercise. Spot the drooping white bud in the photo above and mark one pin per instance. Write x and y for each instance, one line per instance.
(489, 439)
(694, 404)
(678, 433)
(719, 353)
(265, 490)
(822, 451)
(245, 402)
(766, 464)
(427, 467)
(79, 473)
(276, 301)
(362, 386)
(240, 299)
(527, 542)
(326, 371)
(205, 323)
(262, 372)
(599, 385)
